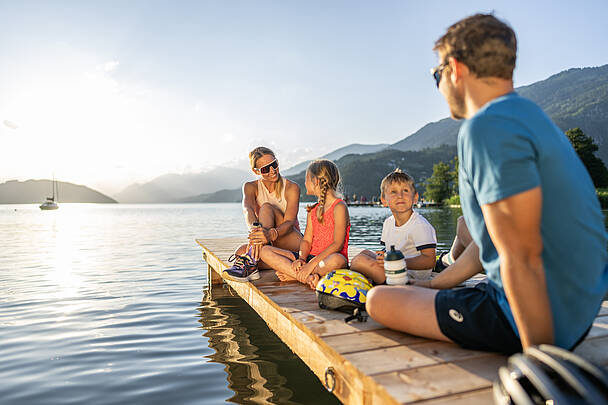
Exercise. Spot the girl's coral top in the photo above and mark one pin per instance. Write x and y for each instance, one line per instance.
(323, 233)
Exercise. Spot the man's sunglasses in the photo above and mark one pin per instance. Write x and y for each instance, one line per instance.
(438, 72)
(266, 169)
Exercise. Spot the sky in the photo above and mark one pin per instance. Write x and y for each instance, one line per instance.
(108, 93)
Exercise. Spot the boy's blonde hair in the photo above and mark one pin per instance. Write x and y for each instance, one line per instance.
(257, 153)
(396, 176)
(329, 179)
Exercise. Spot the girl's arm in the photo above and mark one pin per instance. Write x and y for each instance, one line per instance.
(426, 260)
(305, 245)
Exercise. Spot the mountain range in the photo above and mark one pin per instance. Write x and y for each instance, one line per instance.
(36, 191)
(573, 98)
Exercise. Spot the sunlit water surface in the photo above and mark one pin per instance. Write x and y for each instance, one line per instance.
(108, 304)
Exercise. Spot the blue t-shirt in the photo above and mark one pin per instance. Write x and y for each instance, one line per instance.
(511, 146)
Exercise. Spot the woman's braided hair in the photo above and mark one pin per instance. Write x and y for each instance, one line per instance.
(328, 175)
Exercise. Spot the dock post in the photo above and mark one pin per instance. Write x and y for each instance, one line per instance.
(213, 278)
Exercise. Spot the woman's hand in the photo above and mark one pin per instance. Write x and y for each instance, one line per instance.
(258, 236)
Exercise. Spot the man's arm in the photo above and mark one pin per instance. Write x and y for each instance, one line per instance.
(514, 226)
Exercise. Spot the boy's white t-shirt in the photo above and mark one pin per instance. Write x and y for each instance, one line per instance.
(413, 236)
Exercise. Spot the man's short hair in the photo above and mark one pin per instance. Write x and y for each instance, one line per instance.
(396, 176)
(486, 45)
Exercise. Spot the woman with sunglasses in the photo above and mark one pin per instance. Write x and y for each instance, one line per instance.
(273, 202)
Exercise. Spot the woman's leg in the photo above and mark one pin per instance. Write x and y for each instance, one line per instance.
(271, 217)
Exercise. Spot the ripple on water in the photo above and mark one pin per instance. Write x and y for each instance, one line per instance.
(106, 304)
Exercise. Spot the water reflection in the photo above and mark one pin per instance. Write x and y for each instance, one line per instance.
(260, 368)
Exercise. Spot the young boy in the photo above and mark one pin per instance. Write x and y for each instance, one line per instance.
(407, 230)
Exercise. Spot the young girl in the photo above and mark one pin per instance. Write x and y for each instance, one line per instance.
(325, 243)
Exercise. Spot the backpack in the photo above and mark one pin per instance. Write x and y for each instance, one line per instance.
(345, 291)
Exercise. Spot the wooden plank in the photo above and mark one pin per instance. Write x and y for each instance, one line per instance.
(375, 339)
(373, 364)
(351, 385)
(441, 380)
(478, 397)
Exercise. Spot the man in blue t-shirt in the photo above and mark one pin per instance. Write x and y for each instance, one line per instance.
(530, 207)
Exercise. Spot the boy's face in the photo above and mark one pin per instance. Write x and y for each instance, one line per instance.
(399, 196)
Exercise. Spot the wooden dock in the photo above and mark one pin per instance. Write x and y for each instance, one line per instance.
(366, 363)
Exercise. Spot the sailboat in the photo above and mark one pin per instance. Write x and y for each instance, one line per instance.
(51, 202)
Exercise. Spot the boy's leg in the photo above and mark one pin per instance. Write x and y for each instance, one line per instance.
(365, 263)
(271, 217)
(279, 260)
(406, 308)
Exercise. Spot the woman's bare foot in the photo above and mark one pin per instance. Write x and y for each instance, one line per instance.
(312, 280)
(284, 277)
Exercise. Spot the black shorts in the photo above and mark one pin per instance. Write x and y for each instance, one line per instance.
(472, 318)
(309, 258)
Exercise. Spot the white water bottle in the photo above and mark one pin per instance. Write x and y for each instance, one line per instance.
(395, 267)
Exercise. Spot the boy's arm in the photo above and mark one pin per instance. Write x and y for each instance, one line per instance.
(426, 260)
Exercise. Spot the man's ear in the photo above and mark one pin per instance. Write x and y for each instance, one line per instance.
(457, 69)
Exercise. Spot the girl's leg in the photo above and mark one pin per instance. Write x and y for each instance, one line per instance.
(331, 262)
(365, 263)
(279, 260)
(419, 319)
(271, 217)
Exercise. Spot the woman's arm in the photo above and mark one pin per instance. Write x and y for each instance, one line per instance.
(249, 203)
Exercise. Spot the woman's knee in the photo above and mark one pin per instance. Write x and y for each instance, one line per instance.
(267, 209)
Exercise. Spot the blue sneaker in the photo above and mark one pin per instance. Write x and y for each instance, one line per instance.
(245, 268)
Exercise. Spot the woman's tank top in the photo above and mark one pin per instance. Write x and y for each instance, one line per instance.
(323, 233)
(265, 196)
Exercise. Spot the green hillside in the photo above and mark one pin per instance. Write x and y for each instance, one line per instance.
(572, 98)
(362, 174)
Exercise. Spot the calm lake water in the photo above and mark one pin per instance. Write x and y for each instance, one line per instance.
(108, 304)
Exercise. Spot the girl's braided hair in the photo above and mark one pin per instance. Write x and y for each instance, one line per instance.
(328, 175)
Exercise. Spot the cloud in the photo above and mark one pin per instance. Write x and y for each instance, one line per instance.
(10, 124)
(110, 66)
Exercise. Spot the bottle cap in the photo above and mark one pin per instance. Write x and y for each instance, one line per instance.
(393, 255)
